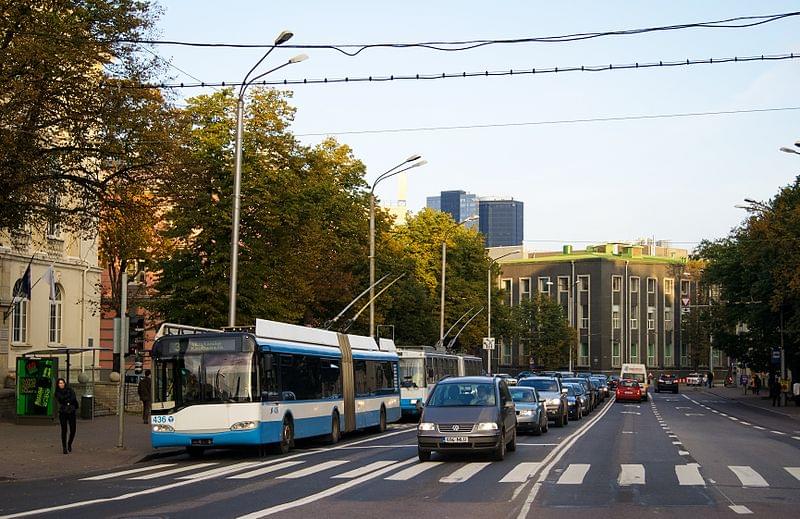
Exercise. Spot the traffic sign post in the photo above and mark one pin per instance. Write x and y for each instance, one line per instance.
(488, 343)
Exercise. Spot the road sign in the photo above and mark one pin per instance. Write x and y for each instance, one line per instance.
(488, 343)
(685, 301)
(685, 310)
(776, 356)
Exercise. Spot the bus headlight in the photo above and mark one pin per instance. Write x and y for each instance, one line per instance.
(487, 426)
(425, 426)
(163, 428)
(243, 426)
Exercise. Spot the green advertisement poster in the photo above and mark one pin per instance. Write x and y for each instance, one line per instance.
(36, 380)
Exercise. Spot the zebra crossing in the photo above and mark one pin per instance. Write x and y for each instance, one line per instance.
(447, 473)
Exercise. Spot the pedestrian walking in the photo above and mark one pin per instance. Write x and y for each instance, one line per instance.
(710, 379)
(775, 391)
(67, 409)
(757, 384)
(146, 395)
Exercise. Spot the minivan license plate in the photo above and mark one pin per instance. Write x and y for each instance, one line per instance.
(456, 439)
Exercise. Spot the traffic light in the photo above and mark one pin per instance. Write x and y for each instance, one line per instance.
(136, 334)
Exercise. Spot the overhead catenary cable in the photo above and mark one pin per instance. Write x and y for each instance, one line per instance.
(738, 22)
(484, 73)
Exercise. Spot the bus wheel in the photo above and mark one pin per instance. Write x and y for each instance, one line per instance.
(287, 436)
(194, 452)
(336, 432)
(382, 420)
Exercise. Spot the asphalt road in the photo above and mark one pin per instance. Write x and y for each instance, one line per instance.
(674, 455)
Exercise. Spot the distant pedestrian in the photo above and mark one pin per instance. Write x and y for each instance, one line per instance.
(757, 384)
(67, 409)
(146, 395)
(775, 391)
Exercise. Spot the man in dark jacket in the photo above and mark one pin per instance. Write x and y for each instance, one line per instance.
(146, 396)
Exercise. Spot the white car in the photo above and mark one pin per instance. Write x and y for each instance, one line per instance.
(694, 379)
(511, 381)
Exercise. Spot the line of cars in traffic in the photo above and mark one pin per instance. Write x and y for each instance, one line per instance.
(485, 413)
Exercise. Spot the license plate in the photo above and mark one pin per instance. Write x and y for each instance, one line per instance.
(455, 439)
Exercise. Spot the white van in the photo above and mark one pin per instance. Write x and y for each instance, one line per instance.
(638, 373)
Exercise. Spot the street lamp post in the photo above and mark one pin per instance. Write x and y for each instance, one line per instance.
(383, 176)
(489, 305)
(237, 183)
(444, 263)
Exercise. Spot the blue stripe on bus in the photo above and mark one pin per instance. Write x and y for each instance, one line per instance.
(326, 351)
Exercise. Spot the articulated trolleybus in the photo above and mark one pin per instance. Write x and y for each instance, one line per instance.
(423, 366)
(217, 389)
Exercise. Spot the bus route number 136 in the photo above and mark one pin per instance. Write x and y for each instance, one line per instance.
(162, 419)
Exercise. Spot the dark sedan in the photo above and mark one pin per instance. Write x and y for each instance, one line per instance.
(667, 383)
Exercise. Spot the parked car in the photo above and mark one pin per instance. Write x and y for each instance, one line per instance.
(511, 381)
(468, 414)
(629, 390)
(574, 400)
(667, 383)
(523, 374)
(531, 411)
(613, 380)
(550, 389)
(589, 387)
(602, 385)
(583, 398)
(694, 379)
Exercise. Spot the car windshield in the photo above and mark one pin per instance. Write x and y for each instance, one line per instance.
(520, 394)
(571, 391)
(541, 384)
(463, 394)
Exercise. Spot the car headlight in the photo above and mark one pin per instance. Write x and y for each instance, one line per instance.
(243, 426)
(554, 402)
(163, 428)
(526, 412)
(425, 426)
(487, 426)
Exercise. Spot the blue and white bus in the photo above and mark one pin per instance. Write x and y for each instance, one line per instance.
(281, 383)
(423, 366)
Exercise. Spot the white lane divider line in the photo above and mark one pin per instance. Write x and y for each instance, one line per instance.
(126, 472)
(631, 474)
(464, 473)
(745, 423)
(778, 432)
(174, 471)
(794, 471)
(221, 471)
(796, 437)
(574, 474)
(689, 475)
(748, 477)
(313, 470)
(266, 470)
(740, 509)
(327, 493)
(366, 469)
(416, 470)
(521, 472)
(759, 428)
(683, 453)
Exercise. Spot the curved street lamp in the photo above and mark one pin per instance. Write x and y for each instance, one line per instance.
(283, 37)
(383, 176)
(444, 264)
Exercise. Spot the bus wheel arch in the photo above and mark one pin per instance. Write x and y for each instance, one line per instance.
(336, 428)
(286, 441)
(382, 419)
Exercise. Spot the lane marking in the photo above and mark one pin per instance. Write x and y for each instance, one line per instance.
(759, 428)
(778, 432)
(126, 472)
(173, 471)
(683, 453)
(689, 475)
(521, 472)
(574, 474)
(748, 476)
(733, 418)
(266, 470)
(313, 470)
(366, 469)
(534, 444)
(630, 412)
(796, 437)
(676, 443)
(744, 423)
(221, 471)
(416, 470)
(631, 474)
(327, 493)
(694, 414)
(794, 471)
(740, 509)
(464, 473)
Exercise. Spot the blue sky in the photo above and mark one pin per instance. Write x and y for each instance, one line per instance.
(675, 179)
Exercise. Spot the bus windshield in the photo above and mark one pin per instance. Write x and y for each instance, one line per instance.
(638, 377)
(203, 378)
(412, 372)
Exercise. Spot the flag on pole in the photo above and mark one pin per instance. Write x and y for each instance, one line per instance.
(24, 291)
(49, 277)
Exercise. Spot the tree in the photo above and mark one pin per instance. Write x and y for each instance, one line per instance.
(72, 118)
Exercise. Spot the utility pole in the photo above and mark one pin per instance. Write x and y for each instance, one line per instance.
(123, 346)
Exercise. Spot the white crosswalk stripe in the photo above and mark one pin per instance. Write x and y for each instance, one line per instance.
(521, 472)
(126, 472)
(631, 474)
(413, 471)
(748, 476)
(313, 470)
(170, 472)
(689, 475)
(464, 473)
(221, 471)
(574, 474)
(794, 471)
(266, 470)
(363, 470)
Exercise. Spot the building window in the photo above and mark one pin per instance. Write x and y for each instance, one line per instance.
(634, 323)
(616, 283)
(524, 289)
(583, 353)
(56, 309)
(651, 285)
(506, 353)
(651, 319)
(19, 317)
(508, 291)
(686, 287)
(634, 285)
(669, 286)
(668, 318)
(583, 283)
(615, 320)
(615, 357)
(563, 284)
(544, 285)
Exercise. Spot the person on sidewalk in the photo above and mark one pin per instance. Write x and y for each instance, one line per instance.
(67, 410)
(146, 395)
(710, 379)
(775, 391)
(757, 384)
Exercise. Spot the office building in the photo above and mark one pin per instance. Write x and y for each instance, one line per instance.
(501, 221)
(459, 204)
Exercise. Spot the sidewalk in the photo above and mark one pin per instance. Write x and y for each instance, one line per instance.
(762, 401)
(34, 451)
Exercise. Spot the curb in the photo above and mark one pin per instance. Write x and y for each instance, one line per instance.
(159, 455)
(748, 404)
